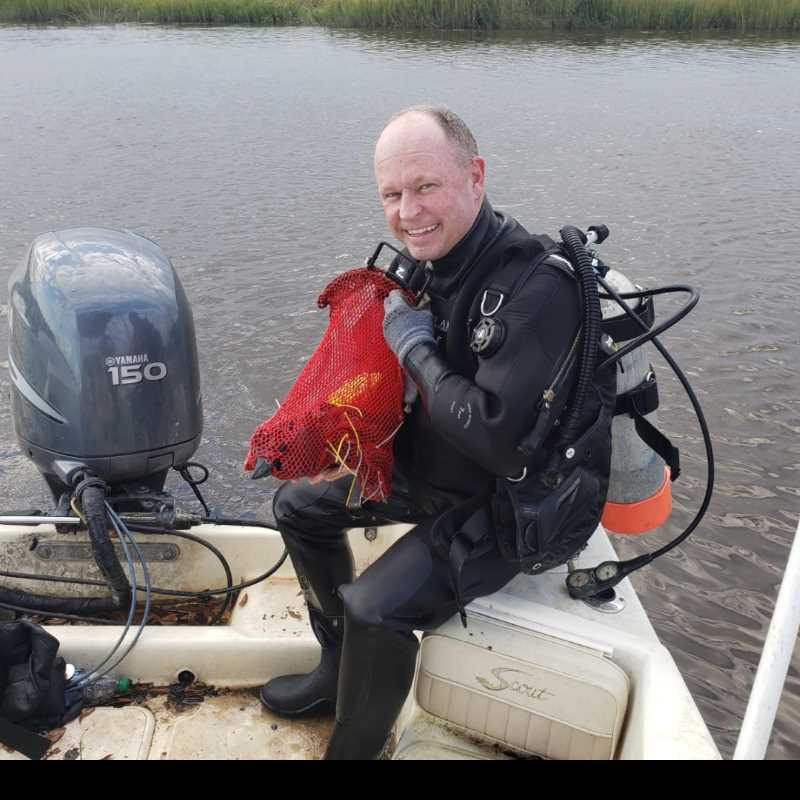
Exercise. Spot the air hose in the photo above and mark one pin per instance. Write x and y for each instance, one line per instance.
(573, 241)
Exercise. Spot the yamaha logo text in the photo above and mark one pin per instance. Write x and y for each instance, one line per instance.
(134, 368)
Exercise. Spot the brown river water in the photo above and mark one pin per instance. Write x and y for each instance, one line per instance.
(246, 154)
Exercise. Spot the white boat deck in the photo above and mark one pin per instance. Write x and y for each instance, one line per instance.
(268, 635)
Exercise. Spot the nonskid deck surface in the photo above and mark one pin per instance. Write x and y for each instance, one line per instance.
(230, 726)
(268, 635)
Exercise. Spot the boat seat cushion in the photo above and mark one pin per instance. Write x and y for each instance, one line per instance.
(559, 700)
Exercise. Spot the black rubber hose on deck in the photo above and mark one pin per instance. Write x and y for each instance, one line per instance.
(35, 603)
(92, 495)
(93, 498)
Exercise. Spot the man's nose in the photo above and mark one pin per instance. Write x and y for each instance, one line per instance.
(409, 206)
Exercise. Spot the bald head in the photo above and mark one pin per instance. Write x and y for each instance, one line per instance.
(430, 187)
(452, 126)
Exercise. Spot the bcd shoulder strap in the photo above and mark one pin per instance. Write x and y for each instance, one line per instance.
(498, 271)
(506, 278)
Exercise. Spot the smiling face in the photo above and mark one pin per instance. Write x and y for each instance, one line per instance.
(430, 191)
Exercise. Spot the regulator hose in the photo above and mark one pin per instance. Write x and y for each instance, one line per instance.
(91, 493)
(573, 241)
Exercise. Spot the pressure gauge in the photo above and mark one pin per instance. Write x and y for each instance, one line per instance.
(606, 571)
(579, 578)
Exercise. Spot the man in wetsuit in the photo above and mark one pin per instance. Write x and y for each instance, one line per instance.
(473, 407)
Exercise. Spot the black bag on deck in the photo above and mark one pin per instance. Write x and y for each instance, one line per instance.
(32, 681)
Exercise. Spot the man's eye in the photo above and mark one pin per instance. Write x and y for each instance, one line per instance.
(391, 196)
(426, 187)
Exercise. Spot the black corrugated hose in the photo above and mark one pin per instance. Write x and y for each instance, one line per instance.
(69, 605)
(91, 493)
(574, 240)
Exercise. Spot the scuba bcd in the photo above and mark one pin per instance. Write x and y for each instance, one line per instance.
(545, 515)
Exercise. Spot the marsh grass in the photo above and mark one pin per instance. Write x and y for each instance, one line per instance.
(217, 12)
(739, 15)
(730, 15)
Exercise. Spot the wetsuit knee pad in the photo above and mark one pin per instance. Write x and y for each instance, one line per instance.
(362, 607)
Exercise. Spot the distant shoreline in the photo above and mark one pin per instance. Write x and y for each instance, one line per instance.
(740, 16)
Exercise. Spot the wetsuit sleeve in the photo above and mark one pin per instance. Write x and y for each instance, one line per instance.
(486, 418)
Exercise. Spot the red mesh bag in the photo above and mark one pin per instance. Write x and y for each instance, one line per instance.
(347, 403)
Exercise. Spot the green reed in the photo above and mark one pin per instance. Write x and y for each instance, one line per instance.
(216, 12)
(738, 15)
(731, 15)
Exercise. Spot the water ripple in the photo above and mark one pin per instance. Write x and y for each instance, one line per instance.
(246, 153)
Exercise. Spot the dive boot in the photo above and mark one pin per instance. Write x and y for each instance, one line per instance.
(375, 676)
(315, 692)
(322, 564)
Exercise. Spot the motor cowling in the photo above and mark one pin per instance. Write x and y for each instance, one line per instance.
(103, 358)
(639, 493)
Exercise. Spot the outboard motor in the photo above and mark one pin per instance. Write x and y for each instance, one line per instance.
(103, 359)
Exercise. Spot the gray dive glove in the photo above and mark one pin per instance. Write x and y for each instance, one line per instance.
(405, 327)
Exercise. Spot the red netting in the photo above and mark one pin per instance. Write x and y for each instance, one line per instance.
(347, 403)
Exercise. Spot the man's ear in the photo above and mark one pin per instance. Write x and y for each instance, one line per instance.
(478, 173)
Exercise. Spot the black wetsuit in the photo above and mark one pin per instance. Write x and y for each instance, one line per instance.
(460, 440)
(460, 435)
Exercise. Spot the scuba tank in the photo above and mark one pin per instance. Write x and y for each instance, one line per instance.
(639, 495)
